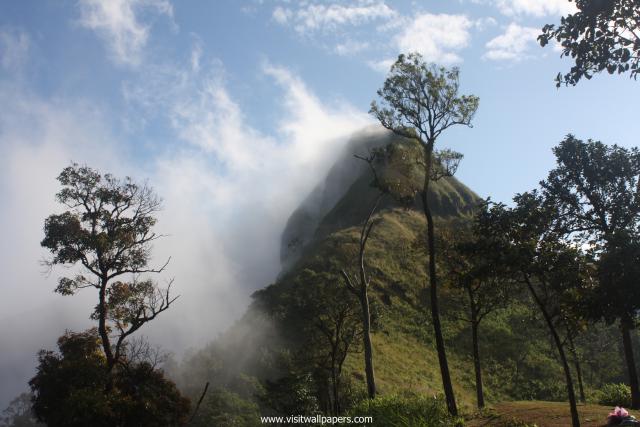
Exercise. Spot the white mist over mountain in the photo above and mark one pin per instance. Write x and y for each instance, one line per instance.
(227, 192)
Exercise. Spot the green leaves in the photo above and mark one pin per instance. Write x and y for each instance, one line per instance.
(602, 35)
(423, 98)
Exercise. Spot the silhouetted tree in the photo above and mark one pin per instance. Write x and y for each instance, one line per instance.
(421, 101)
(476, 269)
(601, 35)
(73, 387)
(596, 189)
(538, 257)
(107, 229)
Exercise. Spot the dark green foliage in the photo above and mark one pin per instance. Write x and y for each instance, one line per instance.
(601, 35)
(223, 408)
(73, 387)
(596, 190)
(405, 411)
(614, 395)
(328, 326)
(291, 394)
(554, 272)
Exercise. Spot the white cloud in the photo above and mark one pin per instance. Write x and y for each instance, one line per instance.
(484, 23)
(281, 15)
(535, 7)
(512, 45)
(37, 139)
(319, 17)
(14, 48)
(436, 37)
(382, 66)
(228, 190)
(116, 22)
(350, 47)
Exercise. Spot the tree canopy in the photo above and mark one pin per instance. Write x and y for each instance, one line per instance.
(601, 35)
(72, 387)
(108, 230)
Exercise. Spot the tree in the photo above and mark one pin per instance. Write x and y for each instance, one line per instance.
(19, 413)
(324, 320)
(596, 189)
(420, 101)
(107, 229)
(72, 387)
(601, 35)
(476, 270)
(552, 270)
(360, 286)
(360, 289)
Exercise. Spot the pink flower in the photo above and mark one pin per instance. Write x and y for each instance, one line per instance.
(618, 413)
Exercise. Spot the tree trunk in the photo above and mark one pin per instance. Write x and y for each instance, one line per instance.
(625, 326)
(475, 325)
(575, 418)
(576, 362)
(433, 285)
(368, 350)
(476, 363)
(334, 386)
(102, 325)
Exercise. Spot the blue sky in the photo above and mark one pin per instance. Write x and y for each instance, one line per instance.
(234, 110)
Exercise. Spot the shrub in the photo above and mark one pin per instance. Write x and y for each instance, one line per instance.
(405, 411)
(615, 395)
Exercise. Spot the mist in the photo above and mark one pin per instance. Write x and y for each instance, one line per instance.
(227, 189)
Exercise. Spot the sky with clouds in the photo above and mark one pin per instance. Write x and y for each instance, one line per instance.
(233, 111)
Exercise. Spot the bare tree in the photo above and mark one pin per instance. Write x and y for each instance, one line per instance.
(360, 288)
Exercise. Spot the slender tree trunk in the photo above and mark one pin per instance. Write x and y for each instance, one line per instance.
(433, 288)
(361, 291)
(334, 386)
(368, 349)
(625, 326)
(575, 418)
(576, 363)
(475, 325)
(476, 363)
(102, 325)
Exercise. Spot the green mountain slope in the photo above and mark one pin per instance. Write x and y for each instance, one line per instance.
(271, 341)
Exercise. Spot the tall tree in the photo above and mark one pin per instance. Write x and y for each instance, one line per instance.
(388, 181)
(596, 189)
(552, 270)
(107, 230)
(360, 286)
(476, 270)
(421, 101)
(600, 35)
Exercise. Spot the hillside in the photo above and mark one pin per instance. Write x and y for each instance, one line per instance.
(270, 354)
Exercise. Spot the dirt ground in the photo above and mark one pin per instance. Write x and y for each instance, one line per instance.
(541, 414)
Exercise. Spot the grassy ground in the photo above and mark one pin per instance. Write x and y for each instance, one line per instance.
(540, 414)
